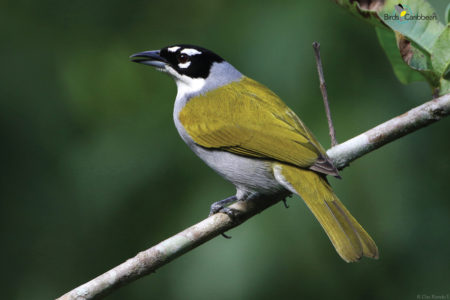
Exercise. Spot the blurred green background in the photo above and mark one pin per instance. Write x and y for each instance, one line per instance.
(93, 170)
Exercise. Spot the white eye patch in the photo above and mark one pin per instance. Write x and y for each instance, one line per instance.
(184, 65)
(190, 51)
(173, 49)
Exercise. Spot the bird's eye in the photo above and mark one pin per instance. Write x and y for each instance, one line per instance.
(183, 58)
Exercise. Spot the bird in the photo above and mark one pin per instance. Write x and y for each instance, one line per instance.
(249, 136)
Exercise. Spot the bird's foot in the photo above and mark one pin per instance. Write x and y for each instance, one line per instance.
(284, 199)
(220, 206)
(232, 213)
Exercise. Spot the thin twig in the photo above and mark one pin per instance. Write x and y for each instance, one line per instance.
(323, 89)
(149, 260)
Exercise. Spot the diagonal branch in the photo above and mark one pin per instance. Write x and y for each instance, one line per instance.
(150, 260)
(389, 131)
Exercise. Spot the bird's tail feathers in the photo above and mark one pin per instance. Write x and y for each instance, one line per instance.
(348, 237)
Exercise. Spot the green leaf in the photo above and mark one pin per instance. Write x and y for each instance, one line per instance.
(423, 44)
(401, 69)
(416, 43)
(424, 33)
(445, 83)
(366, 11)
(440, 53)
(447, 14)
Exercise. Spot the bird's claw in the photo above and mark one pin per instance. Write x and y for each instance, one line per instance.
(285, 203)
(221, 209)
(232, 213)
(220, 205)
(215, 208)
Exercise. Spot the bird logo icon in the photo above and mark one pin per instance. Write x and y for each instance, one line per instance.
(400, 10)
(403, 14)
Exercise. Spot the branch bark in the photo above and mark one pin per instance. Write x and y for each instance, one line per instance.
(389, 131)
(150, 260)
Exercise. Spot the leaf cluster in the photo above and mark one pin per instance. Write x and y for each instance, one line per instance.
(417, 44)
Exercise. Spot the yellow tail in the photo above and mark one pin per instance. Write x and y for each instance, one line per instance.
(349, 239)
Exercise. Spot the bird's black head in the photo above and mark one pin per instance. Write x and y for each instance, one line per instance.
(188, 60)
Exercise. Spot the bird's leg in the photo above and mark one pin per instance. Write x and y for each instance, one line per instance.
(229, 211)
(221, 206)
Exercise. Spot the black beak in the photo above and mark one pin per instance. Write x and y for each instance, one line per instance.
(151, 58)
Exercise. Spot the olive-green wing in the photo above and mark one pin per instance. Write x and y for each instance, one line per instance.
(246, 118)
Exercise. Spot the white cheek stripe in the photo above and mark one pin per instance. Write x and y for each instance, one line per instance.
(173, 49)
(184, 65)
(190, 51)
